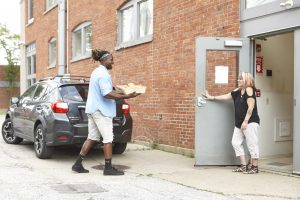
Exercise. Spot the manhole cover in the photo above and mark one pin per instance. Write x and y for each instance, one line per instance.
(101, 167)
(78, 188)
(278, 164)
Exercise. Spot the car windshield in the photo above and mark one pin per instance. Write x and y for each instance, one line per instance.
(77, 92)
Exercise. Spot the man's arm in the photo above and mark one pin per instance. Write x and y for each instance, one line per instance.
(116, 95)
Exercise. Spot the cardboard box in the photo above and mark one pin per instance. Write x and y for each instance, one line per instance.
(130, 88)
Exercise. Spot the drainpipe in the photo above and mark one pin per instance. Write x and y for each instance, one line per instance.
(61, 36)
(67, 38)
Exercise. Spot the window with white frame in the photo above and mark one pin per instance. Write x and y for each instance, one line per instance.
(50, 4)
(82, 41)
(30, 64)
(254, 3)
(52, 52)
(30, 11)
(254, 9)
(135, 23)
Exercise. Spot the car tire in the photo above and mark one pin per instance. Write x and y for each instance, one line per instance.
(119, 148)
(42, 151)
(8, 133)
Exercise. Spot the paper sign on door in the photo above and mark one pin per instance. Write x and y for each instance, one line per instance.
(221, 74)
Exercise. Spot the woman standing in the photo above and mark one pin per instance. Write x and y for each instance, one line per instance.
(246, 121)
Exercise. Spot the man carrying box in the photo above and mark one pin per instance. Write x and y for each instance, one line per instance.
(101, 108)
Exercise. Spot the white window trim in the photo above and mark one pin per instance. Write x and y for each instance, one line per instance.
(30, 52)
(137, 40)
(30, 21)
(29, 13)
(53, 64)
(263, 10)
(50, 7)
(84, 54)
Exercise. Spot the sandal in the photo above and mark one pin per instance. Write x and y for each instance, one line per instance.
(252, 170)
(249, 164)
(242, 168)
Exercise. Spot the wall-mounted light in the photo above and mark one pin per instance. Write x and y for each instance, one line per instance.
(287, 4)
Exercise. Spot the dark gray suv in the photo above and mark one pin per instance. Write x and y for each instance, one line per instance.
(52, 113)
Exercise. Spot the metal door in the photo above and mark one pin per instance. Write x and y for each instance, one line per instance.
(214, 121)
(296, 145)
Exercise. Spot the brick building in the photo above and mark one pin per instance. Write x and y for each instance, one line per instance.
(4, 89)
(165, 114)
(154, 43)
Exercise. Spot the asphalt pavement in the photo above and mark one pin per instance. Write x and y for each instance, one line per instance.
(149, 174)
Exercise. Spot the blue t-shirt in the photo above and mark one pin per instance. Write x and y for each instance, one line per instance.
(100, 85)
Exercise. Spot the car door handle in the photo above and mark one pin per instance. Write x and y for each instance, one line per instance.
(39, 107)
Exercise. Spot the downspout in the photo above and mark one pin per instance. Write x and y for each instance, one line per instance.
(61, 36)
(67, 42)
(23, 73)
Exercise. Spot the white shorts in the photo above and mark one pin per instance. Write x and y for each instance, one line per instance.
(100, 125)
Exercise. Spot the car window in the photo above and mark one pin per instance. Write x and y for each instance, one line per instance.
(50, 94)
(77, 92)
(27, 95)
(39, 92)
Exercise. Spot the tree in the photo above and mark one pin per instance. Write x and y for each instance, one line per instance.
(9, 42)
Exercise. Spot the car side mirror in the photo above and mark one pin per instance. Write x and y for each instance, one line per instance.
(14, 100)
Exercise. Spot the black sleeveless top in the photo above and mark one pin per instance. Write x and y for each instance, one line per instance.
(241, 107)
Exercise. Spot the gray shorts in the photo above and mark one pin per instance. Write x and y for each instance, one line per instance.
(100, 125)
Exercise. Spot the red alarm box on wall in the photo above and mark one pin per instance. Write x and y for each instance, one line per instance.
(258, 94)
(259, 64)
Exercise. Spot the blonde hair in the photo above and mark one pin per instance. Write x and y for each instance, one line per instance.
(247, 79)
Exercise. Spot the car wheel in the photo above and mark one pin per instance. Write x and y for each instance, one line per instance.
(41, 149)
(8, 133)
(119, 148)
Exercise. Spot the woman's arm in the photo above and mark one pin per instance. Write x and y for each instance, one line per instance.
(219, 97)
(250, 103)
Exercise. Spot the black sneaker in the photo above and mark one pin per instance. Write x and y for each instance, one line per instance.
(79, 169)
(113, 172)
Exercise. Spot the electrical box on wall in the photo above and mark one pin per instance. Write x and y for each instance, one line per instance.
(283, 129)
(258, 48)
(269, 72)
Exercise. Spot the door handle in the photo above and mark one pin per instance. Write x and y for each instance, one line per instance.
(200, 102)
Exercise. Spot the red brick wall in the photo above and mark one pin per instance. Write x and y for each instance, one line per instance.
(4, 92)
(221, 58)
(41, 31)
(166, 113)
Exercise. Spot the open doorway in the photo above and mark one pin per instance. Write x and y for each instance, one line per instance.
(275, 78)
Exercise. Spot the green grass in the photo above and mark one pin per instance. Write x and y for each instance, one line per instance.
(2, 111)
(154, 145)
